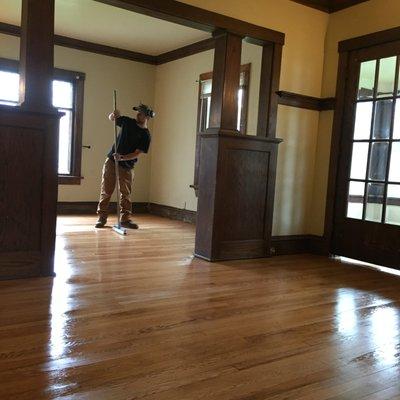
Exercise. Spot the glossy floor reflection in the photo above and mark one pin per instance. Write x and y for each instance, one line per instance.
(137, 317)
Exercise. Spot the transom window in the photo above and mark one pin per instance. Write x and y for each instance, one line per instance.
(374, 181)
(68, 99)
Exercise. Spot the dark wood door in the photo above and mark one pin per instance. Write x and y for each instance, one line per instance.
(367, 204)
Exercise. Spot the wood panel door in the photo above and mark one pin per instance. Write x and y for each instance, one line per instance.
(367, 204)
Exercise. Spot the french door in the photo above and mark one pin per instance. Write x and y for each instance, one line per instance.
(367, 202)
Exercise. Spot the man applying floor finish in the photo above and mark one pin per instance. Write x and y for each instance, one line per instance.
(134, 138)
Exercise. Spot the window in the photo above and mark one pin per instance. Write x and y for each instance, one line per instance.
(68, 89)
(205, 100)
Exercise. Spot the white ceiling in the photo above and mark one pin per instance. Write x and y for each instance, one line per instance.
(99, 23)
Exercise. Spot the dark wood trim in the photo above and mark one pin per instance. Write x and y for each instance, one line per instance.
(185, 51)
(226, 78)
(329, 6)
(13, 66)
(69, 180)
(36, 55)
(172, 213)
(372, 39)
(198, 18)
(269, 85)
(90, 207)
(297, 244)
(97, 48)
(76, 161)
(307, 102)
(83, 45)
(335, 146)
(327, 104)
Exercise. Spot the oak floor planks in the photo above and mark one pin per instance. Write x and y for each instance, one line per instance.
(137, 317)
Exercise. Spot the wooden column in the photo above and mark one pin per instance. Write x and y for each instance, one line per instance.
(237, 172)
(226, 79)
(29, 159)
(37, 54)
(269, 85)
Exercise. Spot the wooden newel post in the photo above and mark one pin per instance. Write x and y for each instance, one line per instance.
(37, 54)
(29, 161)
(226, 79)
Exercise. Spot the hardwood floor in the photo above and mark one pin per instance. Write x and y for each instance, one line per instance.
(137, 317)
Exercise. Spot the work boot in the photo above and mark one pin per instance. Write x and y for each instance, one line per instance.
(101, 222)
(129, 225)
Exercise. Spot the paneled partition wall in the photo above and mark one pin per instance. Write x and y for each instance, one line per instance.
(237, 167)
(29, 143)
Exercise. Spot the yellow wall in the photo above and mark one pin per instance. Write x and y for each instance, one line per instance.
(371, 16)
(174, 134)
(134, 82)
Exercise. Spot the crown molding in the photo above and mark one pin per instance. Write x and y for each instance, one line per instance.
(77, 44)
(186, 51)
(198, 18)
(329, 6)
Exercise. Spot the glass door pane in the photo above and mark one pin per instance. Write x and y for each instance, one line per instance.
(375, 163)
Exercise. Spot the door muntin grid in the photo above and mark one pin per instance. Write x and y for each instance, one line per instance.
(374, 176)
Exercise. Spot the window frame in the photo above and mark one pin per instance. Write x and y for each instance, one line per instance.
(77, 79)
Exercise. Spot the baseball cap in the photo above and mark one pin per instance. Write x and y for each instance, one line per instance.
(146, 110)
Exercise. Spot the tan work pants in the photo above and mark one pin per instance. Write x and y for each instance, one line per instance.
(107, 188)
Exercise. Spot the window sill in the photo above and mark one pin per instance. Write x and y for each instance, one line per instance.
(69, 180)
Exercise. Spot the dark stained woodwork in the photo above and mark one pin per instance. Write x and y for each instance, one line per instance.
(185, 51)
(28, 192)
(174, 213)
(370, 40)
(83, 45)
(381, 40)
(90, 207)
(297, 244)
(371, 242)
(330, 6)
(335, 149)
(303, 101)
(236, 196)
(226, 78)
(104, 50)
(36, 54)
(269, 85)
(198, 18)
(29, 143)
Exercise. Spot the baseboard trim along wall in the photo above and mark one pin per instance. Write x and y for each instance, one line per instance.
(90, 207)
(281, 245)
(172, 212)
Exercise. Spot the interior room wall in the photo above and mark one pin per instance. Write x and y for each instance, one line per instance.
(134, 82)
(302, 67)
(368, 17)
